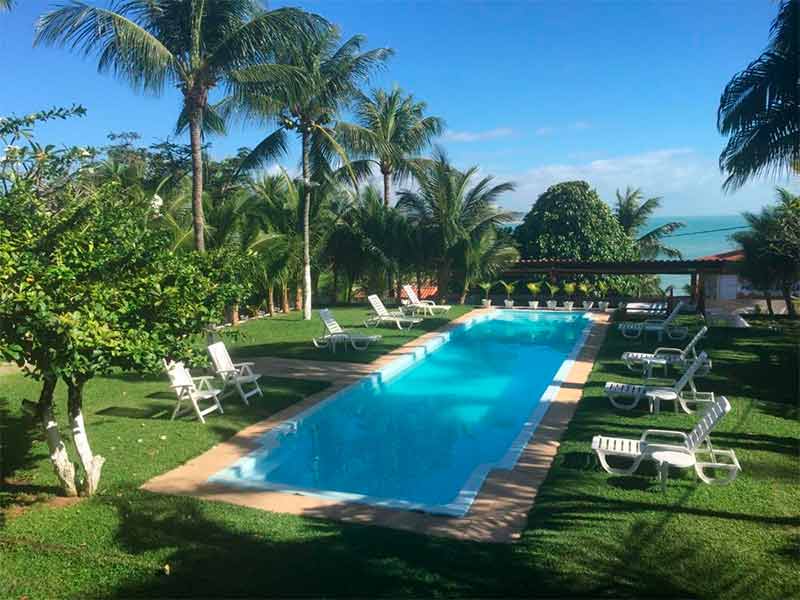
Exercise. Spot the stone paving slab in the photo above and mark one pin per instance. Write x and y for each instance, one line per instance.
(499, 512)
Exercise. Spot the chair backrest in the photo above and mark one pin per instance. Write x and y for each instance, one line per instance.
(220, 357)
(690, 346)
(718, 409)
(377, 305)
(179, 375)
(673, 315)
(329, 322)
(690, 372)
(412, 295)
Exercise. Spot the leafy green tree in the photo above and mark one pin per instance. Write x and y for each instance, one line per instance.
(391, 130)
(633, 212)
(570, 221)
(450, 209)
(327, 78)
(195, 45)
(759, 110)
(87, 287)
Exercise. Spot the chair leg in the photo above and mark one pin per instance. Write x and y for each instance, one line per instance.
(197, 411)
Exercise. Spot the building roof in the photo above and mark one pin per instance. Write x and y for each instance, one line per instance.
(730, 255)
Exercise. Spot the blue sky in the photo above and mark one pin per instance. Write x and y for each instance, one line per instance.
(617, 93)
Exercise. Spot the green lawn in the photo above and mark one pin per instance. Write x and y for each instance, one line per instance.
(589, 534)
(289, 336)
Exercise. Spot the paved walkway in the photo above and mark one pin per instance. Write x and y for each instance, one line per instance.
(498, 514)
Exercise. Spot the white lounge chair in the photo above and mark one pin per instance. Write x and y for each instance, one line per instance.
(635, 329)
(192, 390)
(655, 395)
(663, 357)
(236, 374)
(693, 450)
(382, 315)
(333, 334)
(426, 307)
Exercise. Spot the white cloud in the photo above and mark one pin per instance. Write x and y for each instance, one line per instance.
(690, 183)
(476, 136)
(545, 131)
(580, 125)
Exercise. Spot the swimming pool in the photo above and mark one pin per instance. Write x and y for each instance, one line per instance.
(424, 432)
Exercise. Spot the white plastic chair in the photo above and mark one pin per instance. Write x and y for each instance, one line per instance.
(426, 307)
(382, 315)
(635, 330)
(664, 357)
(334, 334)
(193, 390)
(233, 374)
(693, 449)
(655, 395)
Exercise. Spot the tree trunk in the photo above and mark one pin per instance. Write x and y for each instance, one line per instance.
(335, 285)
(786, 291)
(271, 299)
(444, 280)
(195, 129)
(419, 284)
(464, 291)
(298, 296)
(398, 290)
(285, 299)
(306, 226)
(387, 189)
(768, 297)
(64, 469)
(92, 464)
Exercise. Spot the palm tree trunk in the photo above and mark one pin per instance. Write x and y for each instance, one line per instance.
(306, 227)
(768, 297)
(271, 299)
(298, 296)
(334, 290)
(786, 291)
(444, 280)
(387, 189)
(195, 128)
(285, 299)
(419, 284)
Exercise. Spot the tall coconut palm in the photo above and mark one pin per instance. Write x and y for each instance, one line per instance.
(328, 79)
(484, 255)
(196, 45)
(6, 4)
(450, 208)
(391, 129)
(633, 211)
(759, 110)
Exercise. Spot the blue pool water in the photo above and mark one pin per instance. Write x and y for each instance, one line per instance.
(425, 432)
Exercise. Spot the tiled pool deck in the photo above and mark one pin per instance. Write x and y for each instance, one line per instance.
(500, 510)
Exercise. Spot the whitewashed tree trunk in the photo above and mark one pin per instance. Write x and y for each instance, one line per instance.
(63, 467)
(92, 463)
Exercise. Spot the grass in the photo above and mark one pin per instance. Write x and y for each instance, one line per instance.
(289, 336)
(589, 534)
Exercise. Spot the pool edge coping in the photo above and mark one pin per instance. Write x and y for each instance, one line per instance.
(499, 510)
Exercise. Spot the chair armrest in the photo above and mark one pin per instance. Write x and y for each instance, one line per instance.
(202, 381)
(428, 302)
(664, 433)
(667, 351)
(244, 364)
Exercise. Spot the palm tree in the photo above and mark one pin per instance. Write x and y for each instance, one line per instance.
(195, 45)
(759, 110)
(633, 212)
(485, 254)
(450, 209)
(6, 4)
(391, 130)
(328, 79)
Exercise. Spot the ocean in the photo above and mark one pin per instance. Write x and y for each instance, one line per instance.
(701, 236)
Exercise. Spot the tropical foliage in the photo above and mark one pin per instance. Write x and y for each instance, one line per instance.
(390, 133)
(633, 211)
(192, 44)
(759, 109)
